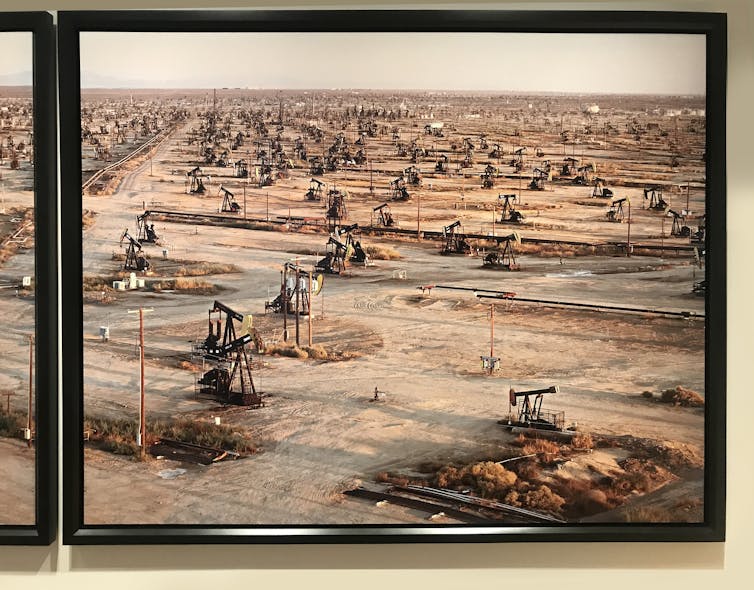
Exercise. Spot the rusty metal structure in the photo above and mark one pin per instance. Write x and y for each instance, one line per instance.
(679, 229)
(504, 258)
(384, 215)
(488, 176)
(538, 178)
(600, 190)
(135, 257)
(530, 412)
(293, 297)
(229, 204)
(398, 189)
(146, 233)
(315, 190)
(196, 185)
(341, 250)
(509, 214)
(230, 379)
(454, 241)
(336, 208)
(616, 213)
(653, 194)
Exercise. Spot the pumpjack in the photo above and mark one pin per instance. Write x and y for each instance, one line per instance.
(229, 204)
(315, 190)
(316, 166)
(509, 214)
(196, 186)
(241, 169)
(398, 190)
(384, 215)
(654, 195)
(569, 166)
(530, 412)
(504, 257)
(441, 165)
(146, 233)
(336, 208)
(679, 230)
(496, 152)
(294, 290)
(538, 179)
(455, 242)
(413, 176)
(584, 174)
(600, 190)
(615, 213)
(342, 249)
(230, 380)
(488, 176)
(135, 258)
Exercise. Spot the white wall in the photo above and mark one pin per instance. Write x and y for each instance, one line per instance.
(611, 566)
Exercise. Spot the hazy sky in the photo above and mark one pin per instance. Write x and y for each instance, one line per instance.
(15, 53)
(609, 63)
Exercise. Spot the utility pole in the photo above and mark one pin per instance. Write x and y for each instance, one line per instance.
(141, 440)
(628, 239)
(285, 302)
(244, 202)
(492, 330)
(418, 216)
(298, 301)
(268, 206)
(310, 308)
(662, 238)
(31, 388)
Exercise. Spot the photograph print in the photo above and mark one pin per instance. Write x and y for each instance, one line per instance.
(28, 258)
(324, 285)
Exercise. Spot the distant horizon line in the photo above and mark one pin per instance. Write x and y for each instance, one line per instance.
(397, 90)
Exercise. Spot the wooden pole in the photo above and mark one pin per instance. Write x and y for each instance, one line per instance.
(628, 239)
(492, 331)
(31, 387)
(298, 300)
(244, 202)
(418, 216)
(142, 412)
(285, 303)
(310, 309)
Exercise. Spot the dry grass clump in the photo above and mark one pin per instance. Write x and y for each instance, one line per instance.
(194, 286)
(489, 479)
(547, 451)
(382, 253)
(593, 203)
(559, 250)
(582, 441)
(87, 218)
(200, 269)
(315, 352)
(396, 480)
(680, 396)
(118, 436)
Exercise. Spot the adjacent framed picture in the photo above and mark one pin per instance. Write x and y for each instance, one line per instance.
(28, 285)
(416, 276)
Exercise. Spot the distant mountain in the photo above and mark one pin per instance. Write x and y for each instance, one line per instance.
(17, 79)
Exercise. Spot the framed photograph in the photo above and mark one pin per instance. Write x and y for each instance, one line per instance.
(374, 276)
(28, 285)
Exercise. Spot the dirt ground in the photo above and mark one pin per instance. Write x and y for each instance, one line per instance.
(319, 432)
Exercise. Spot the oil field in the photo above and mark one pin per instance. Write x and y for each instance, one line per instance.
(377, 306)
(17, 429)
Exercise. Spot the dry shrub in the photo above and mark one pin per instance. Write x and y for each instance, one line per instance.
(12, 423)
(199, 269)
(487, 478)
(519, 441)
(647, 514)
(396, 480)
(87, 218)
(680, 396)
(382, 253)
(560, 250)
(527, 469)
(195, 286)
(541, 446)
(288, 350)
(582, 441)
(543, 499)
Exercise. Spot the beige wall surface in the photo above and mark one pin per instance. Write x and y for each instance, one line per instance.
(562, 566)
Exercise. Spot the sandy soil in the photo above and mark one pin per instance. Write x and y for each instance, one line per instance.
(318, 432)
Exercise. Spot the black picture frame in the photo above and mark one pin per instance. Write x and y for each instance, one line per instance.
(44, 530)
(712, 25)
